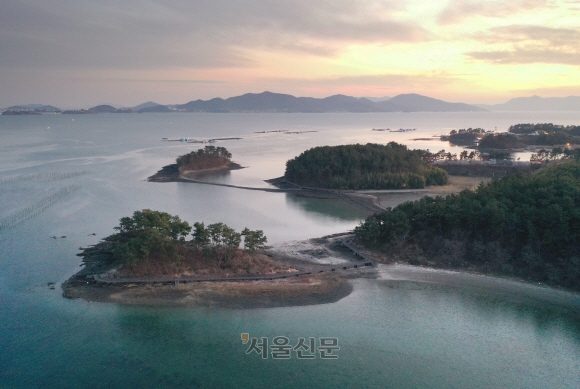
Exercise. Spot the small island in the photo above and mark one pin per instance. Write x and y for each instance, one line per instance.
(149, 261)
(464, 136)
(370, 166)
(20, 112)
(209, 160)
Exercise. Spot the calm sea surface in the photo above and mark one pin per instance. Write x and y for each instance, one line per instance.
(63, 175)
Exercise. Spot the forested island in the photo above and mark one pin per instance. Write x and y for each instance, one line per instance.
(154, 244)
(525, 226)
(210, 159)
(464, 136)
(370, 166)
(150, 261)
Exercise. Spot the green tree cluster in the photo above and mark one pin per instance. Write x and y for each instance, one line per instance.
(465, 136)
(221, 241)
(527, 226)
(500, 141)
(148, 235)
(205, 158)
(546, 134)
(370, 166)
(466, 155)
(529, 128)
(557, 153)
(158, 236)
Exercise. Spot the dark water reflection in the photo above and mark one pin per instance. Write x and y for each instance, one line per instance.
(327, 207)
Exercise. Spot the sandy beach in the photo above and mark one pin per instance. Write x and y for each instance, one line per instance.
(408, 277)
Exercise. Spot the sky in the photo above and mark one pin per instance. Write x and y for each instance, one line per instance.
(79, 53)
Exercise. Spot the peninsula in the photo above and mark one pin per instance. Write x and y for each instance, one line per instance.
(522, 226)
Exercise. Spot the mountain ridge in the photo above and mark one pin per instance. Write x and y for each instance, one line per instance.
(536, 103)
(278, 102)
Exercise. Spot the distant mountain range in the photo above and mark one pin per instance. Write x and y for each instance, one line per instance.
(537, 103)
(149, 104)
(277, 102)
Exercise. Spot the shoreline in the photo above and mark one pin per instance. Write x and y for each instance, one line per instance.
(312, 283)
(297, 291)
(405, 276)
(372, 200)
(171, 173)
(383, 260)
(316, 284)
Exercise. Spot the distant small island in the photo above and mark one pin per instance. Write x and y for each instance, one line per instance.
(18, 113)
(370, 166)
(464, 136)
(210, 159)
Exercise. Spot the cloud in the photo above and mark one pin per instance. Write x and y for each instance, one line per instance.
(527, 56)
(531, 44)
(146, 34)
(458, 10)
(531, 33)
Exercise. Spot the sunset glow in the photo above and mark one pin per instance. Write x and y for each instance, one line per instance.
(125, 52)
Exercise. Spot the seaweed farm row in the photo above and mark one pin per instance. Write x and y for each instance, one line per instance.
(37, 208)
(55, 176)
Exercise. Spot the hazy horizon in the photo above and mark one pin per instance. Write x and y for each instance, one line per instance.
(184, 102)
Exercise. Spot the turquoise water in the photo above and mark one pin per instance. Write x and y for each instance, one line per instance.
(389, 336)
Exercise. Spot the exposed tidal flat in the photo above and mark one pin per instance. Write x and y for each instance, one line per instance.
(392, 333)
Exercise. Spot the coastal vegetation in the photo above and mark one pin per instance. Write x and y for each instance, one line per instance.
(210, 157)
(502, 141)
(529, 128)
(370, 166)
(523, 226)
(465, 136)
(522, 135)
(557, 153)
(153, 242)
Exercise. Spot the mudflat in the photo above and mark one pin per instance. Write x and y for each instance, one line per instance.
(292, 291)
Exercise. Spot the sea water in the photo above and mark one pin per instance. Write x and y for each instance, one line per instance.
(65, 175)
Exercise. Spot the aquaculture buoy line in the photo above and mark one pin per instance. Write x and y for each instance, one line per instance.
(37, 208)
(54, 176)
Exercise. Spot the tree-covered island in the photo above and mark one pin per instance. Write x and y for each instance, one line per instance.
(210, 159)
(154, 244)
(524, 226)
(151, 261)
(370, 166)
(464, 136)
